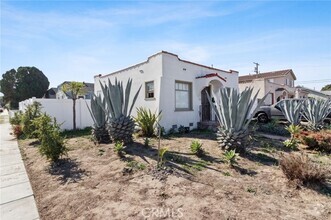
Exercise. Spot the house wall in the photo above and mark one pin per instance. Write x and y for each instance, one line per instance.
(164, 69)
(177, 70)
(257, 85)
(282, 80)
(270, 85)
(140, 74)
(61, 109)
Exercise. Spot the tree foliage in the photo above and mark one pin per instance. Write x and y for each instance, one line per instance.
(326, 87)
(23, 83)
(74, 89)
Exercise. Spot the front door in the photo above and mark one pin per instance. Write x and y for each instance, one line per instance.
(205, 105)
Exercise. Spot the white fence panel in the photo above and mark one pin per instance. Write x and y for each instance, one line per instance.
(62, 110)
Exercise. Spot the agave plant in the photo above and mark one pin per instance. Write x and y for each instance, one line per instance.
(315, 111)
(292, 110)
(234, 112)
(99, 130)
(120, 123)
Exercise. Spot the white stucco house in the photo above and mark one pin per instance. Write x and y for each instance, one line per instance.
(176, 87)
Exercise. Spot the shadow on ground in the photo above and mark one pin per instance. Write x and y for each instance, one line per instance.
(178, 161)
(68, 171)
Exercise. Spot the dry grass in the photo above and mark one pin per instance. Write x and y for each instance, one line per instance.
(95, 183)
(299, 168)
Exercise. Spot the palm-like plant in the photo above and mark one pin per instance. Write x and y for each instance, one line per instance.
(75, 89)
(234, 112)
(99, 130)
(116, 107)
(315, 111)
(147, 121)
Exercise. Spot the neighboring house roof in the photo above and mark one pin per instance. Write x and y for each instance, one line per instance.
(172, 54)
(312, 91)
(51, 92)
(279, 73)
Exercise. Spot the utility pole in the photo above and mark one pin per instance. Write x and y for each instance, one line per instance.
(256, 68)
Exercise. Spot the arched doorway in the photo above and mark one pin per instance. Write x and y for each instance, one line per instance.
(213, 90)
(205, 105)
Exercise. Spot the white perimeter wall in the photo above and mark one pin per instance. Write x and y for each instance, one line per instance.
(62, 110)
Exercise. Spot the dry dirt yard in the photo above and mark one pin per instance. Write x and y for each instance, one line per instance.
(95, 183)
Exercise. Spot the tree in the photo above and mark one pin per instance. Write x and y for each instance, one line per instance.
(326, 87)
(74, 89)
(22, 84)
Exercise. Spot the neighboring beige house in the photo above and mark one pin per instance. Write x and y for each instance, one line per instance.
(304, 92)
(279, 84)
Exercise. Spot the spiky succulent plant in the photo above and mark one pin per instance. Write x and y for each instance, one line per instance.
(234, 112)
(315, 111)
(292, 110)
(120, 123)
(99, 129)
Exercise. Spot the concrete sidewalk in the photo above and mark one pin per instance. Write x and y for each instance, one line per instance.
(16, 196)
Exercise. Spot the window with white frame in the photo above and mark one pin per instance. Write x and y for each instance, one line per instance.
(183, 96)
(149, 89)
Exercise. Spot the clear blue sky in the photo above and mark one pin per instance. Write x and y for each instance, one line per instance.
(75, 40)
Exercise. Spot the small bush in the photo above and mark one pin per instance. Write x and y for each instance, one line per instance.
(135, 165)
(302, 170)
(291, 143)
(230, 156)
(273, 128)
(171, 131)
(162, 153)
(147, 121)
(16, 119)
(32, 112)
(181, 129)
(320, 141)
(48, 133)
(196, 148)
(119, 148)
(17, 131)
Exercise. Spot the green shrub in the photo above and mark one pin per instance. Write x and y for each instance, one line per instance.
(48, 133)
(273, 128)
(147, 121)
(196, 148)
(291, 143)
(135, 165)
(311, 142)
(302, 170)
(181, 129)
(16, 119)
(32, 112)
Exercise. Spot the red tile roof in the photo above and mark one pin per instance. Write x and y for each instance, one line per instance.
(249, 78)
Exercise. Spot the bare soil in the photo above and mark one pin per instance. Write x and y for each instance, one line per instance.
(93, 182)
